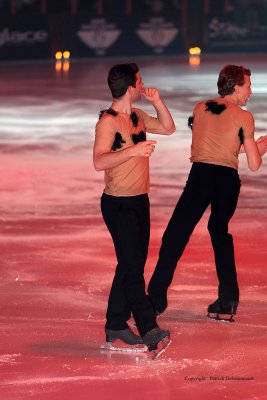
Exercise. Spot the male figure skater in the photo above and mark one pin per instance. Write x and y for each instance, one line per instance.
(122, 151)
(220, 130)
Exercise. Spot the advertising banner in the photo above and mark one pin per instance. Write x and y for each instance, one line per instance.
(97, 37)
(24, 38)
(242, 30)
(128, 36)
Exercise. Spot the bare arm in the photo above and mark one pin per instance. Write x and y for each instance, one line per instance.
(166, 124)
(105, 158)
(261, 144)
(253, 156)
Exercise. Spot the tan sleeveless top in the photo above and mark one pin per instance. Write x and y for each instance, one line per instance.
(218, 132)
(132, 177)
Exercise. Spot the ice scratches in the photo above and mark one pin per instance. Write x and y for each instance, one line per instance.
(190, 288)
(187, 362)
(170, 365)
(122, 371)
(9, 359)
(61, 379)
(141, 364)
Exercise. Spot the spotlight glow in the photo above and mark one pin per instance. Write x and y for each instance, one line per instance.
(66, 66)
(58, 55)
(58, 66)
(194, 51)
(66, 54)
(194, 60)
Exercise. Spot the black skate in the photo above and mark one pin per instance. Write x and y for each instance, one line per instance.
(123, 340)
(222, 310)
(157, 341)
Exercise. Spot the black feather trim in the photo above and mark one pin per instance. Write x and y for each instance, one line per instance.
(190, 122)
(108, 111)
(112, 112)
(117, 144)
(101, 113)
(214, 107)
(139, 137)
(134, 119)
(241, 135)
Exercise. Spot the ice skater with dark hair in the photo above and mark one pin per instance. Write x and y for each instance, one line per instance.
(122, 151)
(221, 129)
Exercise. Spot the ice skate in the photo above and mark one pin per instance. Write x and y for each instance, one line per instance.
(124, 340)
(157, 341)
(222, 310)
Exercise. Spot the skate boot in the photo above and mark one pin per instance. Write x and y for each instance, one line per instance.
(124, 340)
(220, 310)
(157, 341)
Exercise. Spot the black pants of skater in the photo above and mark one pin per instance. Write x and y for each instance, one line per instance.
(207, 184)
(128, 221)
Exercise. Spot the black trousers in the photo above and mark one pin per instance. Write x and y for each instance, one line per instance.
(128, 221)
(207, 184)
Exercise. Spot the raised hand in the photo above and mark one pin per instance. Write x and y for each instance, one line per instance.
(262, 144)
(151, 94)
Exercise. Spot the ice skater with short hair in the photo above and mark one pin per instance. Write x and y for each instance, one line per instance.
(221, 129)
(122, 151)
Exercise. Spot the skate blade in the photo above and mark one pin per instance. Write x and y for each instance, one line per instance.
(127, 348)
(221, 317)
(161, 347)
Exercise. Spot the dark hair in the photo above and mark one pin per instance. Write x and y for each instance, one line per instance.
(120, 77)
(230, 76)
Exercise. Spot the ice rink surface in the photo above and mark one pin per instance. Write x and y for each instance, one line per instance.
(57, 259)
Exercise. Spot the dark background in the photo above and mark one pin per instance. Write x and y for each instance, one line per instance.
(36, 29)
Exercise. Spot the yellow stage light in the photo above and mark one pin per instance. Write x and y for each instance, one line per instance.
(194, 51)
(66, 54)
(58, 55)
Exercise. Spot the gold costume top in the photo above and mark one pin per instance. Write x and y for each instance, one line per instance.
(219, 128)
(123, 130)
